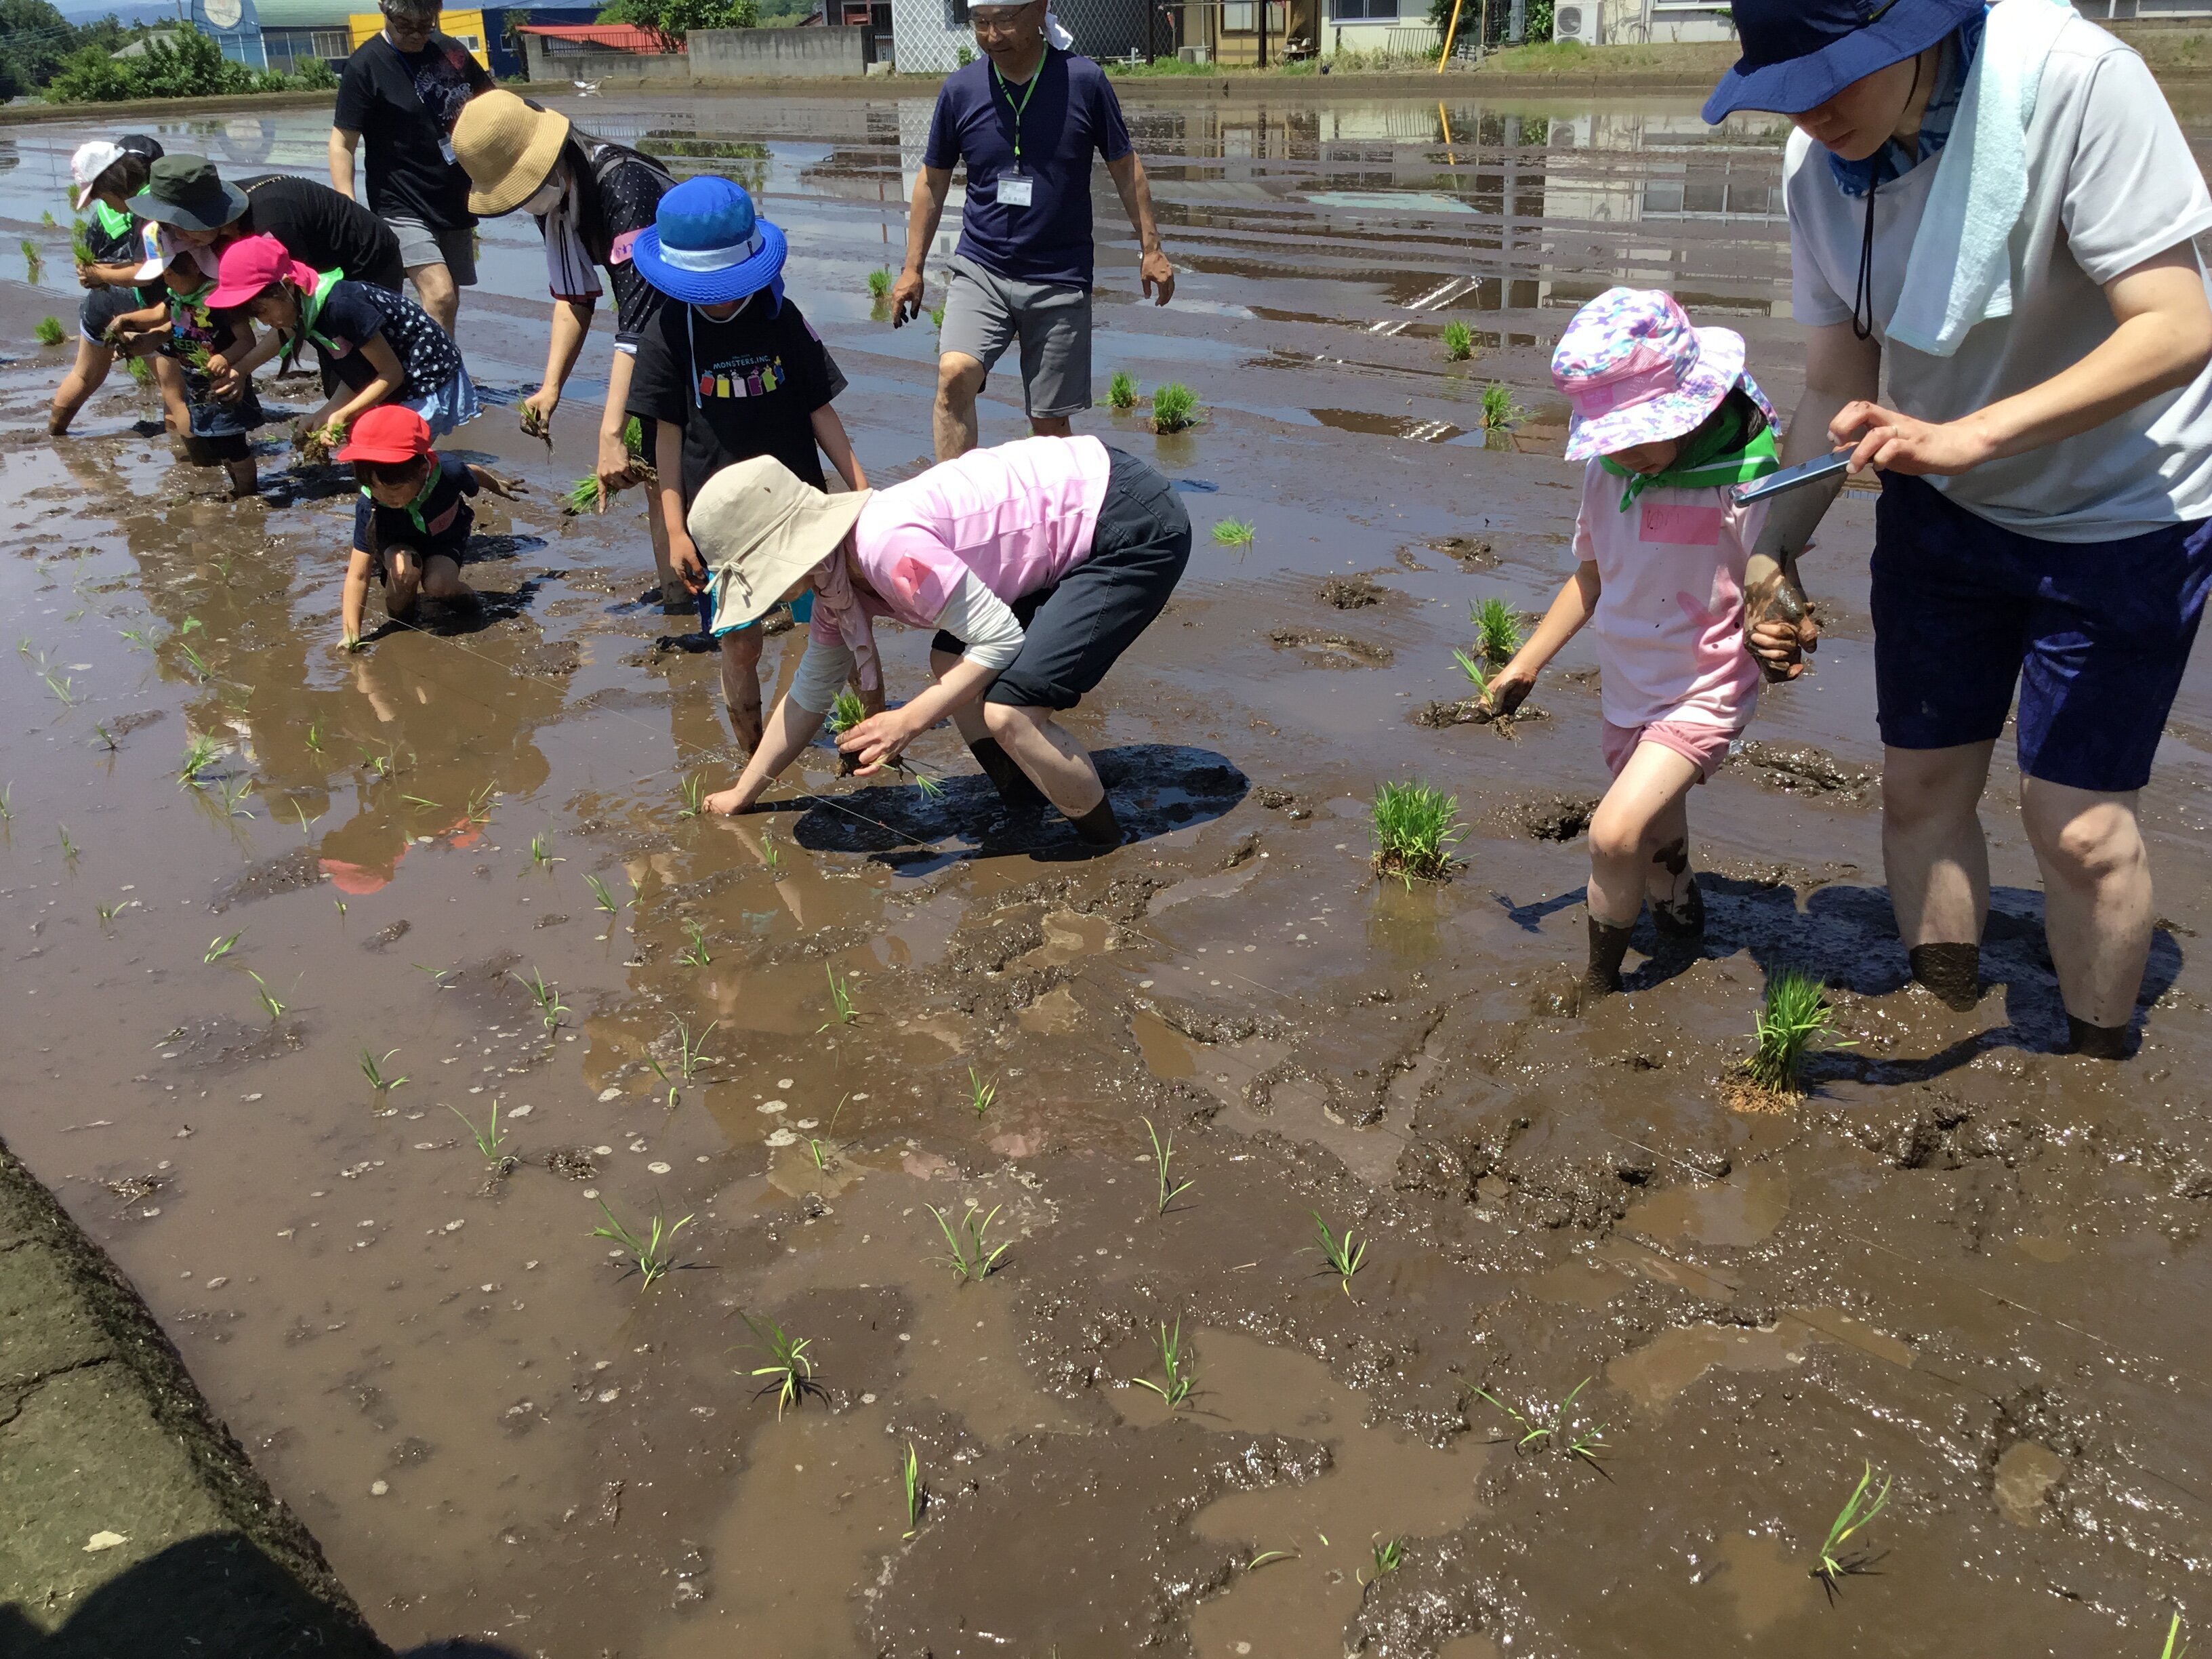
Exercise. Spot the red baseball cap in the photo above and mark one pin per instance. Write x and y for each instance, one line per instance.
(390, 432)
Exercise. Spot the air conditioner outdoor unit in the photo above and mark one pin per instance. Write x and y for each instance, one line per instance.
(1577, 21)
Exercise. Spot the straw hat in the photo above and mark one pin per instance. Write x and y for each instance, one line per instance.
(507, 147)
(757, 523)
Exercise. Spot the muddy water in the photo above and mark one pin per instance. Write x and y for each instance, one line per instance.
(1967, 1261)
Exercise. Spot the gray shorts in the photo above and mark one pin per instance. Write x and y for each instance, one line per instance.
(984, 314)
(421, 246)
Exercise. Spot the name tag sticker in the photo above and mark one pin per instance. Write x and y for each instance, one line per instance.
(1015, 189)
(1681, 527)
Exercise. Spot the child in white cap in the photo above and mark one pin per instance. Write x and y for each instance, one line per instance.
(103, 175)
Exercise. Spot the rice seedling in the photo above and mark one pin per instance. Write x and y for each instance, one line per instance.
(1163, 1157)
(491, 1138)
(219, 948)
(197, 662)
(1234, 532)
(879, 284)
(1794, 1017)
(653, 1253)
(314, 739)
(48, 331)
(341, 904)
(937, 318)
(973, 1255)
(1550, 1426)
(1415, 832)
(199, 754)
(695, 955)
(1175, 408)
(63, 688)
(372, 1067)
(109, 912)
(106, 738)
(541, 853)
(694, 794)
(479, 806)
(789, 1372)
(137, 638)
(917, 1495)
(1857, 1513)
(267, 997)
(1266, 1556)
(549, 1006)
(422, 803)
(2174, 1635)
(842, 1012)
(1496, 629)
(1342, 1255)
(235, 792)
(69, 848)
(1474, 669)
(48, 220)
(930, 787)
(769, 856)
(1500, 411)
(694, 1053)
(847, 712)
(600, 896)
(34, 261)
(139, 370)
(1121, 391)
(1173, 1356)
(1389, 1555)
(815, 1145)
(981, 1095)
(1459, 343)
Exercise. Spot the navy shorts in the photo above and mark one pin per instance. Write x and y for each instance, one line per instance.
(2095, 634)
(1076, 629)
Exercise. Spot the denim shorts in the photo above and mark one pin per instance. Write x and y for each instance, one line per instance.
(2095, 635)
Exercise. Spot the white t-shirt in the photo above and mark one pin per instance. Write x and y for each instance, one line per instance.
(2111, 182)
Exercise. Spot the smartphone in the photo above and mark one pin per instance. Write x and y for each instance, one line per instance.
(1792, 477)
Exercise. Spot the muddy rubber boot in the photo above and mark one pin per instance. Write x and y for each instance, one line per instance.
(1099, 827)
(1951, 972)
(1607, 945)
(2096, 1042)
(1012, 784)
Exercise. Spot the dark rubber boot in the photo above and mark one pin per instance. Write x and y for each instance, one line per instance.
(2096, 1042)
(1012, 784)
(1683, 918)
(1953, 972)
(1099, 827)
(1607, 945)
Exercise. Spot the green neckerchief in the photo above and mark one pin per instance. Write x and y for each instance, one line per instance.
(311, 305)
(414, 508)
(114, 220)
(1724, 458)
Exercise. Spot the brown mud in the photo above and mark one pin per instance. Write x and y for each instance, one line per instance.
(1964, 1258)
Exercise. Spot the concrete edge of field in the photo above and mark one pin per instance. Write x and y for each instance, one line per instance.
(131, 1521)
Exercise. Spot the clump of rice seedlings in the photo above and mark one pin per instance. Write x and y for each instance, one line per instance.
(1793, 1019)
(7, 812)
(541, 853)
(490, 1137)
(372, 1067)
(139, 370)
(1415, 832)
(1500, 411)
(917, 1494)
(847, 712)
(219, 948)
(600, 896)
(341, 904)
(583, 495)
(1496, 629)
(981, 1095)
(769, 856)
(1234, 532)
(1477, 676)
(1830, 1564)
(1459, 343)
(1389, 1555)
(34, 261)
(549, 1006)
(789, 1372)
(1173, 1357)
(1163, 1158)
(199, 754)
(695, 954)
(267, 997)
(1121, 391)
(930, 787)
(197, 662)
(81, 249)
(841, 1011)
(1550, 1426)
(879, 284)
(48, 331)
(1341, 1255)
(1175, 408)
(695, 794)
(973, 1255)
(653, 1253)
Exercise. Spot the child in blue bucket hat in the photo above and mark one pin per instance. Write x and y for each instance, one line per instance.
(730, 372)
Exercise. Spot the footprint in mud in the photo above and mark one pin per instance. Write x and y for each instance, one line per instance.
(1801, 769)
(1551, 818)
(1332, 650)
(1351, 593)
(1470, 552)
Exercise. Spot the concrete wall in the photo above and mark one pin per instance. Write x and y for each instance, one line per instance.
(749, 54)
(620, 67)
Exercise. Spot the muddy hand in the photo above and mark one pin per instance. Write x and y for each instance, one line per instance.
(1509, 689)
(1779, 626)
(906, 298)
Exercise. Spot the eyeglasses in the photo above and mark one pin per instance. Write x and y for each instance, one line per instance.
(1002, 23)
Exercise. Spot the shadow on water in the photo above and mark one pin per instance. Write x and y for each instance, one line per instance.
(1155, 787)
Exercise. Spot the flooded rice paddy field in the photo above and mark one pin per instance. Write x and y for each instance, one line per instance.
(1966, 1260)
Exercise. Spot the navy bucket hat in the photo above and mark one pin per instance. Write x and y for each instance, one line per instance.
(707, 247)
(1800, 53)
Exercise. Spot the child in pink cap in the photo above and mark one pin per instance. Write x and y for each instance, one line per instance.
(1669, 423)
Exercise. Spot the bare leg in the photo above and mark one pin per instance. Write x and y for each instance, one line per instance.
(434, 286)
(741, 691)
(83, 380)
(2096, 896)
(403, 582)
(1048, 755)
(441, 579)
(1644, 813)
(953, 420)
(1051, 426)
(1933, 852)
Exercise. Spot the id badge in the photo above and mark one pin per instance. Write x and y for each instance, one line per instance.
(445, 149)
(1015, 189)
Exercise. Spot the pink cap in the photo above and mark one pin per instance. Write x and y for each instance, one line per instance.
(253, 263)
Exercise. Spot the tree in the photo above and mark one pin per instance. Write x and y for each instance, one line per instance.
(674, 20)
(35, 40)
(187, 64)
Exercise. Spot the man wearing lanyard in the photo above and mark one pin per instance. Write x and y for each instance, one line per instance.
(1026, 119)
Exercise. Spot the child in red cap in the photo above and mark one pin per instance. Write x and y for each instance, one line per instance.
(412, 522)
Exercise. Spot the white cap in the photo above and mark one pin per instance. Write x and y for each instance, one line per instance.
(164, 250)
(88, 163)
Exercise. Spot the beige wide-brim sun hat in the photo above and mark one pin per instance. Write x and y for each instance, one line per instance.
(508, 150)
(757, 524)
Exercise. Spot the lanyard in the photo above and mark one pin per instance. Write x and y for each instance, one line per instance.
(1020, 109)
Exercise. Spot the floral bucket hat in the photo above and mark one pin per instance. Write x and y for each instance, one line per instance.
(1637, 370)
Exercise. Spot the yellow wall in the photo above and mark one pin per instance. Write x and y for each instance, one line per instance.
(466, 26)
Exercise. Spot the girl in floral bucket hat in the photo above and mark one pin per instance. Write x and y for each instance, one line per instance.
(1669, 423)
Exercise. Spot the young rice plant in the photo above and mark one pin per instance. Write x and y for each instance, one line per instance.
(1496, 629)
(49, 332)
(490, 1137)
(372, 1067)
(879, 284)
(1173, 1358)
(1415, 832)
(1793, 1019)
(1342, 1256)
(1500, 411)
(1163, 1156)
(1234, 532)
(1175, 408)
(917, 1494)
(1121, 391)
(972, 1253)
(653, 1253)
(790, 1373)
(1857, 1512)
(980, 1093)
(1459, 343)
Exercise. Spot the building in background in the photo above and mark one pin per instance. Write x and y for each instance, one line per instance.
(295, 30)
(931, 33)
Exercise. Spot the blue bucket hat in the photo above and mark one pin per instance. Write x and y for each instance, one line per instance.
(707, 247)
(1800, 53)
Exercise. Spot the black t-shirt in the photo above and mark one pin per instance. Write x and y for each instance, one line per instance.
(356, 313)
(321, 228)
(620, 191)
(746, 387)
(403, 104)
(445, 518)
